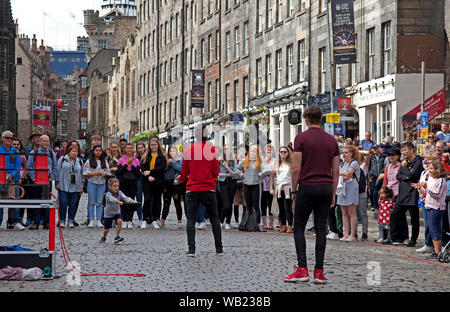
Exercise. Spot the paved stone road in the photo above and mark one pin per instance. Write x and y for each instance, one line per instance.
(253, 262)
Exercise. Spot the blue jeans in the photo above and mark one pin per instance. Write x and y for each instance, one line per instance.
(435, 218)
(95, 200)
(373, 193)
(428, 241)
(201, 213)
(139, 197)
(68, 201)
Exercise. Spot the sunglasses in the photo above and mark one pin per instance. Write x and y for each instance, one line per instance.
(8, 138)
(283, 152)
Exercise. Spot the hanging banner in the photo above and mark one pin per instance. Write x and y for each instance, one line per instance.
(434, 106)
(344, 40)
(198, 89)
(41, 116)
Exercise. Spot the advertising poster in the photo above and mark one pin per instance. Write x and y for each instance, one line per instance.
(198, 89)
(344, 40)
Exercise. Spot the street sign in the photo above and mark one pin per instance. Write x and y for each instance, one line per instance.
(333, 118)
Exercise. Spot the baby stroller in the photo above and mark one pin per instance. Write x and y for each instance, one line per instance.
(444, 255)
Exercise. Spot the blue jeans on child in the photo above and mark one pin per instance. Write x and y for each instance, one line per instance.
(95, 200)
(435, 218)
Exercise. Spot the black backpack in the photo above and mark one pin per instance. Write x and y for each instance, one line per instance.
(361, 181)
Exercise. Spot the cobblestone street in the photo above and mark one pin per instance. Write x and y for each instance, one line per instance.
(253, 262)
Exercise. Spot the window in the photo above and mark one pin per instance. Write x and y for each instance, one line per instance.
(323, 6)
(171, 70)
(63, 124)
(83, 103)
(236, 42)
(301, 60)
(217, 100)
(210, 96)
(19, 61)
(176, 67)
(246, 91)
(290, 64)
(101, 44)
(165, 73)
(258, 77)
(227, 46)
(177, 18)
(83, 123)
(387, 48)
(143, 86)
(166, 32)
(301, 5)
(269, 13)
(268, 72)
(289, 8)
(323, 71)
(386, 122)
(217, 44)
(154, 78)
(210, 49)
(171, 29)
(338, 76)
(227, 5)
(279, 10)
(175, 111)
(153, 42)
(246, 38)
(259, 17)
(371, 53)
(279, 69)
(353, 69)
(144, 48)
(236, 105)
(228, 98)
(202, 49)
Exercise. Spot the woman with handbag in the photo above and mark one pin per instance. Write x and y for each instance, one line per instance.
(281, 186)
(128, 172)
(252, 188)
(153, 167)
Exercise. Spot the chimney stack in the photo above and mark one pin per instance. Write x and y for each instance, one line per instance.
(34, 44)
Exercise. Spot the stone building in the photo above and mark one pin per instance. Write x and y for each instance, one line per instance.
(83, 101)
(8, 111)
(122, 107)
(107, 32)
(31, 78)
(98, 70)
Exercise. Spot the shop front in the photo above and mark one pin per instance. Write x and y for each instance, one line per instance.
(381, 103)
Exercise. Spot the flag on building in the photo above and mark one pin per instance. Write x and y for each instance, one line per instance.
(59, 104)
(41, 116)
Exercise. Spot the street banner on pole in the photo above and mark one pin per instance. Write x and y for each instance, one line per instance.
(198, 89)
(41, 116)
(344, 41)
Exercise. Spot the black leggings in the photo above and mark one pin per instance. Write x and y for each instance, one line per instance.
(266, 202)
(130, 190)
(151, 211)
(285, 206)
(168, 193)
(227, 192)
(252, 198)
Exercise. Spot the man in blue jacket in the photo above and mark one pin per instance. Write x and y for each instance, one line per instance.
(13, 163)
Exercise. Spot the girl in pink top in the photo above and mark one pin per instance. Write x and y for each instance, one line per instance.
(391, 170)
(435, 191)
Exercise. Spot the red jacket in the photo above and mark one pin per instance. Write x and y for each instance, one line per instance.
(200, 167)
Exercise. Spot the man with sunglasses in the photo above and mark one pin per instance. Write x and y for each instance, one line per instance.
(13, 163)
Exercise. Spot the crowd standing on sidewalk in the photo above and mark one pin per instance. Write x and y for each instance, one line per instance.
(241, 185)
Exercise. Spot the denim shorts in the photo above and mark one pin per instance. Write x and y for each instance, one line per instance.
(107, 222)
(434, 219)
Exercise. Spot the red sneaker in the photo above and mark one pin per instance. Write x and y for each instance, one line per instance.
(300, 275)
(318, 277)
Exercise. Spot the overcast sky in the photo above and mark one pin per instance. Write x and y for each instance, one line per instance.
(58, 22)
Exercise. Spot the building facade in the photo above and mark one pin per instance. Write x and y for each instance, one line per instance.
(8, 111)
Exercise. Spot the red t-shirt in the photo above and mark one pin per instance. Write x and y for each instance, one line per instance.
(318, 149)
(200, 166)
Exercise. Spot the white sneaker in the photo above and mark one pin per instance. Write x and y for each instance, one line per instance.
(91, 224)
(124, 224)
(18, 226)
(140, 223)
(62, 224)
(196, 225)
(159, 222)
(227, 226)
(425, 249)
(202, 226)
(130, 225)
(155, 225)
(71, 225)
(99, 224)
(180, 225)
(332, 235)
(143, 225)
(221, 225)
